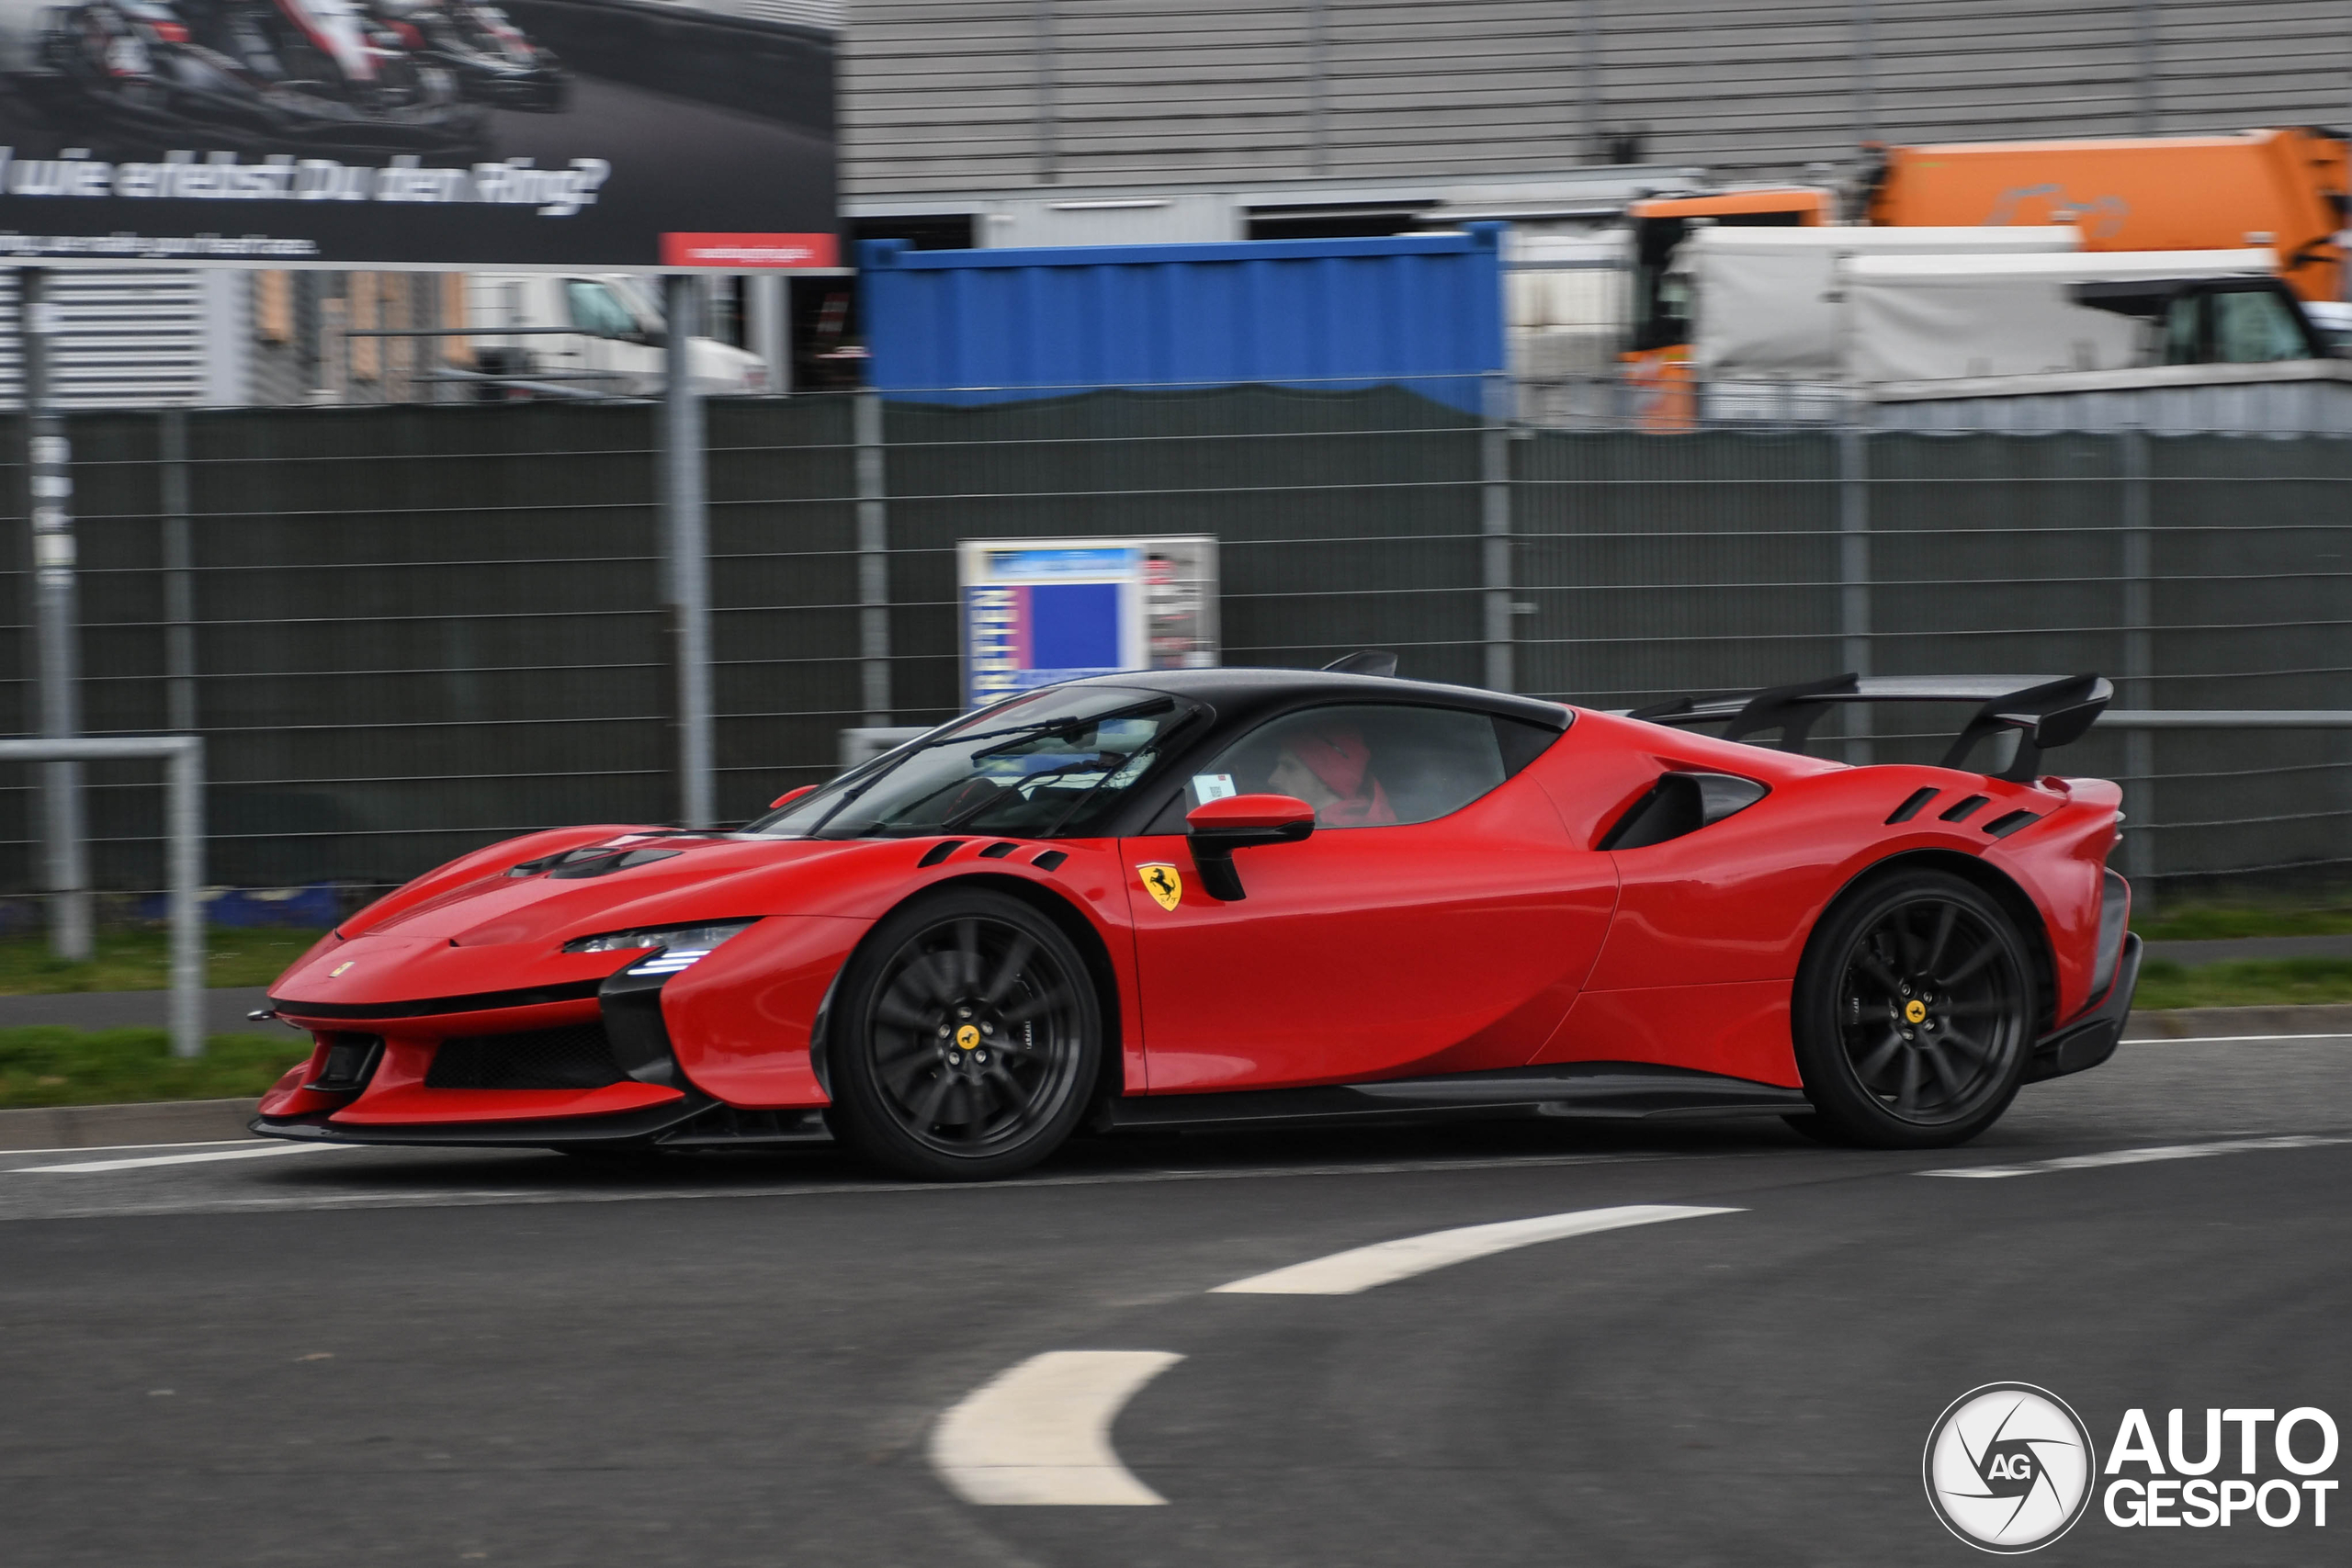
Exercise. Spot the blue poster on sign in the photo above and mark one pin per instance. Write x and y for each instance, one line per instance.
(1040, 610)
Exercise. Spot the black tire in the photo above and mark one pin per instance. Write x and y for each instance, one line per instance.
(1914, 1014)
(965, 1040)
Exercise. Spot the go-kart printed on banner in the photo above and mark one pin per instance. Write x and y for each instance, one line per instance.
(427, 132)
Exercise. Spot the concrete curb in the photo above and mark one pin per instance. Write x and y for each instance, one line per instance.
(201, 1120)
(97, 1126)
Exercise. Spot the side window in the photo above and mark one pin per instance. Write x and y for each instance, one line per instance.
(598, 310)
(1371, 767)
(2180, 330)
(2255, 327)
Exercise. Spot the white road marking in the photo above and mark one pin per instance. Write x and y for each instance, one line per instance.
(2227, 1039)
(110, 1148)
(1345, 1273)
(83, 1166)
(2137, 1157)
(1040, 1433)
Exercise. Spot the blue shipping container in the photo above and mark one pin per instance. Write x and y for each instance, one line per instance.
(1423, 311)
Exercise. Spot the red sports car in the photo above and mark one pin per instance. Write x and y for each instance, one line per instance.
(1255, 897)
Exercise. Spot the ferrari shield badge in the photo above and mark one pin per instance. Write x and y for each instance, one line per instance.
(1164, 883)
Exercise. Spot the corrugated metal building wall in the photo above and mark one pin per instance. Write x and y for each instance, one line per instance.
(991, 95)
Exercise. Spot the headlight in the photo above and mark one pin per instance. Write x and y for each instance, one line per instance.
(679, 945)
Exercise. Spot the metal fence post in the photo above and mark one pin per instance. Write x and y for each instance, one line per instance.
(873, 560)
(56, 613)
(1494, 523)
(184, 805)
(2139, 660)
(179, 575)
(686, 546)
(1854, 576)
(183, 757)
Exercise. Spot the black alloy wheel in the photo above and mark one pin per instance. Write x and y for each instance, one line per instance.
(1913, 1013)
(967, 1040)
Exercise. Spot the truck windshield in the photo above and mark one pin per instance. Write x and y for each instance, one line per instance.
(1052, 764)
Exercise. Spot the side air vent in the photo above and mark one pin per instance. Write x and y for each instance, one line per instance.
(1678, 804)
(1965, 809)
(351, 1062)
(940, 852)
(1911, 805)
(999, 849)
(1050, 861)
(574, 1056)
(2002, 827)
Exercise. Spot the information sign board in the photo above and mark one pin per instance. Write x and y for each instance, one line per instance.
(1038, 610)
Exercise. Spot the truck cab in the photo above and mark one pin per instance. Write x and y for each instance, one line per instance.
(589, 336)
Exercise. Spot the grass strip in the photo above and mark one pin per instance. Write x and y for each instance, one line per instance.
(43, 1066)
(2266, 982)
(140, 960)
(2222, 922)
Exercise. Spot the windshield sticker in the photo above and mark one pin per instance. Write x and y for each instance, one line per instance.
(1212, 787)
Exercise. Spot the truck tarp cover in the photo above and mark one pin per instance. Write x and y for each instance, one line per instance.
(1939, 317)
(1767, 298)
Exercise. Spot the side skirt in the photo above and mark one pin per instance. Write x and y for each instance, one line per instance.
(1602, 1091)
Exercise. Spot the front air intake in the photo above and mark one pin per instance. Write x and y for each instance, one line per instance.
(577, 1055)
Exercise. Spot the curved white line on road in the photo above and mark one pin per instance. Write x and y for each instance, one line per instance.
(1345, 1273)
(1040, 1433)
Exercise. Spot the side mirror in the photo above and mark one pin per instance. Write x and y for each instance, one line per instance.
(1217, 828)
(788, 797)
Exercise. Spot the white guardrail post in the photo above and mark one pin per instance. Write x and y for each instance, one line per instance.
(183, 756)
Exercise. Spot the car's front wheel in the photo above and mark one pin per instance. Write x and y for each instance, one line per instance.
(1913, 1013)
(965, 1039)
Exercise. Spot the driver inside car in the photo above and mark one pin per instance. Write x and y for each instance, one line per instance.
(1328, 766)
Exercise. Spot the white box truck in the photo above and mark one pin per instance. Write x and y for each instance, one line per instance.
(588, 335)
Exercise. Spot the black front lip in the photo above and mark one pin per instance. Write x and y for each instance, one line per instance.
(620, 1127)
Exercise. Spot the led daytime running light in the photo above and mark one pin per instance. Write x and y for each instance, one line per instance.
(681, 946)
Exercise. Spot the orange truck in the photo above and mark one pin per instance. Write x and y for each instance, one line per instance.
(2281, 189)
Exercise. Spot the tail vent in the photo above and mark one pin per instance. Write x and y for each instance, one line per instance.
(1911, 805)
(2002, 827)
(1966, 809)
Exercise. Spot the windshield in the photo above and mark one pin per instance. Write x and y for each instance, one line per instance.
(1053, 764)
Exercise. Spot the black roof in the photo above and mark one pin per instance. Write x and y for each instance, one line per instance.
(1237, 692)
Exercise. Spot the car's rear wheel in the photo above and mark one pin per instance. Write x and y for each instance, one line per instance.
(1913, 1013)
(965, 1040)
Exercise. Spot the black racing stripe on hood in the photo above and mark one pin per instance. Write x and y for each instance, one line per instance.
(481, 1001)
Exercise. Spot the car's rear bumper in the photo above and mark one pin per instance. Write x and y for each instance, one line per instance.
(2091, 1038)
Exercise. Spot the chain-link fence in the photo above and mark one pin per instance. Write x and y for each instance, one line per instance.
(405, 631)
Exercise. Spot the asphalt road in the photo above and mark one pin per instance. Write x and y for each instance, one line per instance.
(341, 1356)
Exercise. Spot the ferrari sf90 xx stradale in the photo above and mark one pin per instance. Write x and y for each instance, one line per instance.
(1260, 897)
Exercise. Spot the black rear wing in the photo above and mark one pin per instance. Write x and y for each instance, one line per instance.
(2041, 711)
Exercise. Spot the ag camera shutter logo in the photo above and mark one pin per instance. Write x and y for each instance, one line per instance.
(2009, 1468)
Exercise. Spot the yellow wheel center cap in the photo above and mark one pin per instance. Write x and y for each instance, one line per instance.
(968, 1037)
(1915, 1011)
